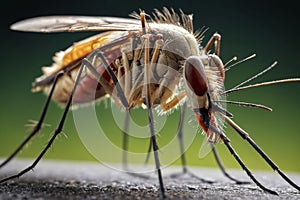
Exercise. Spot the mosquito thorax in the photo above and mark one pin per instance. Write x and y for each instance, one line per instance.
(178, 40)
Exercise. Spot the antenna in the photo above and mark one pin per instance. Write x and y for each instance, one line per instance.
(238, 62)
(257, 75)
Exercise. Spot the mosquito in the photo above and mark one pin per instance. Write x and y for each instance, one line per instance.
(155, 63)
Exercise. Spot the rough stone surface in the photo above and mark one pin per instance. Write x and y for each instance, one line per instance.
(81, 180)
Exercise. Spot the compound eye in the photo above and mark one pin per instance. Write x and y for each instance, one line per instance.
(195, 75)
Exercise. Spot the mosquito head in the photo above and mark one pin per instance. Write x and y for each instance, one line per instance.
(197, 90)
(202, 90)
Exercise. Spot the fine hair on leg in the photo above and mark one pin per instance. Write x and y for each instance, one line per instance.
(37, 127)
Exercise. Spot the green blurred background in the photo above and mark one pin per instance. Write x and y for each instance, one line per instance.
(269, 29)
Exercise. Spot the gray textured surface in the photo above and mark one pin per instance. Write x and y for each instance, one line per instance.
(81, 180)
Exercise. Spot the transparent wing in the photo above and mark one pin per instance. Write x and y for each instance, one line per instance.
(49, 24)
(205, 148)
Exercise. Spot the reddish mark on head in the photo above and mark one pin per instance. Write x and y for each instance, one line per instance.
(211, 136)
(200, 121)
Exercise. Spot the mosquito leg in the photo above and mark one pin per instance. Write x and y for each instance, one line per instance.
(232, 151)
(125, 140)
(125, 148)
(220, 164)
(56, 133)
(37, 126)
(120, 93)
(148, 102)
(124, 101)
(126, 89)
(112, 75)
(180, 138)
(122, 96)
(237, 158)
(173, 102)
(167, 106)
(215, 39)
(182, 153)
(245, 136)
(127, 74)
(105, 84)
(148, 153)
(183, 160)
(155, 150)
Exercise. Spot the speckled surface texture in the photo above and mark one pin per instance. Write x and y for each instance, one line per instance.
(81, 180)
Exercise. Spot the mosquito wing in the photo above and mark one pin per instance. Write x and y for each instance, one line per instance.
(205, 149)
(50, 24)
